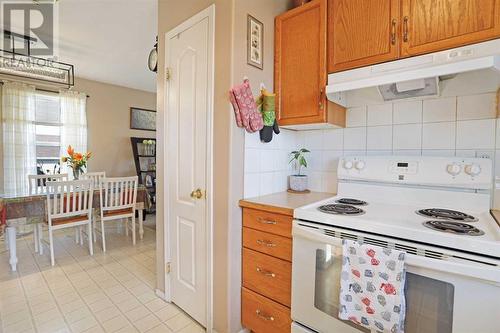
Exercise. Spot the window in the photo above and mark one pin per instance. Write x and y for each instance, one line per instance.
(48, 133)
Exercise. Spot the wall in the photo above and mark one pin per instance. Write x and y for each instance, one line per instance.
(264, 11)
(170, 14)
(461, 122)
(108, 122)
(230, 67)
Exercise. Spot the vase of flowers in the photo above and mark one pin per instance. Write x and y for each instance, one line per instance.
(76, 161)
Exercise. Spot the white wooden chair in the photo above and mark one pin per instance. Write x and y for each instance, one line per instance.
(118, 197)
(96, 178)
(37, 183)
(69, 204)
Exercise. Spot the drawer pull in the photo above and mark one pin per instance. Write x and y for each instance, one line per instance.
(265, 243)
(264, 316)
(266, 273)
(264, 221)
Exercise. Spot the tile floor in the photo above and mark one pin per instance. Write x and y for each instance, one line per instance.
(112, 292)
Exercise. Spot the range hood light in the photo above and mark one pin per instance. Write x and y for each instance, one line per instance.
(410, 89)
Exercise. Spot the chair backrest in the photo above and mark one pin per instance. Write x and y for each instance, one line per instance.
(69, 198)
(38, 183)
(95, 177)
(118, 193)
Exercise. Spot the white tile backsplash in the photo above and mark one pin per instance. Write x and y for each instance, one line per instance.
(408, 136)
(476, 134)
(407, 112)
(355, 138)
(440, 109)
(438, 135)
(415, 127)
(379, 138)
(380, 114)
(476, 107)
(356, 117)
(333, 139)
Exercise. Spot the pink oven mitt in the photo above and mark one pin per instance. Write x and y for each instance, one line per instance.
(245, 108)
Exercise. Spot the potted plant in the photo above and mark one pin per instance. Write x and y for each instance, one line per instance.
(298, 182)
(76, 161)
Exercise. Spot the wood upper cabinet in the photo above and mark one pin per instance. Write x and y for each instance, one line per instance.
(362, 32)
(433, 25)
(300, 71)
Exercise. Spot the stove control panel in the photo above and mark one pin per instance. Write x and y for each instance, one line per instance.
(458, 172)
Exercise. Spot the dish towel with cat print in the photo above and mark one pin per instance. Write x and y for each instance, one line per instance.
(372, 285)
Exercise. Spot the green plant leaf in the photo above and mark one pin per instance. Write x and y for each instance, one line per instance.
(304, 150)
(303, 161)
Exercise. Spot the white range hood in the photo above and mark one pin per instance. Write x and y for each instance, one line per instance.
(413, 75)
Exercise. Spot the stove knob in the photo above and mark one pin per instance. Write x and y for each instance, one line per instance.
(473, 169)
(453, 169)
(360, 165)
(348, 165)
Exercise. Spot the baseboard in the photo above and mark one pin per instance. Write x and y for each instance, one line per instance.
(160, 294)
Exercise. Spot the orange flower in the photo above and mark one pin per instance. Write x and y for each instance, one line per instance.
(71, 151)
(89, 154)
(78, 156)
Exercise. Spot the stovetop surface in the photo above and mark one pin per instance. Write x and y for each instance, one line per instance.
(402, 221)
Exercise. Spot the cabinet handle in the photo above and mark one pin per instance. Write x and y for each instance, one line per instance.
(405, 29)
(264, 316)
(264, 221)
(321, 99)
(393, 32)
(266, 243)
(266, 273)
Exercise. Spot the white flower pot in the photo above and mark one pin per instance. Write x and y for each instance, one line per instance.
(298, 183)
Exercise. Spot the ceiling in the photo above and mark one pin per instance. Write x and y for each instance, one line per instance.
(109, 40)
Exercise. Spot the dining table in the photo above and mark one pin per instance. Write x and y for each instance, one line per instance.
(30, 209)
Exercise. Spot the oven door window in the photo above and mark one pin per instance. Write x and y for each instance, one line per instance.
(429, 302)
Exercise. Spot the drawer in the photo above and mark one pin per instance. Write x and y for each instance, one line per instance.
(262, 315)
(273, 245)
(269, 222)
(268, 276)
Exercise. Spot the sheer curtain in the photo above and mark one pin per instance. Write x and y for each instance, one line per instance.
(74, 123)
(19, 138)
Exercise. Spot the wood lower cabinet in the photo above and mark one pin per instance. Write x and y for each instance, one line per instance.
(263, 315)
(362, 32)
(300, 71)
(430, 25)
(266, 271)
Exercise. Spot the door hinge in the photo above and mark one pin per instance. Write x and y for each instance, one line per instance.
(167, 268)
(167, 74)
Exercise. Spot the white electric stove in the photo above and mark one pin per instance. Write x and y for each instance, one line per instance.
(436, 209)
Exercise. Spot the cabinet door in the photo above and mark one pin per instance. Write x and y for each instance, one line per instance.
(300, 64)
(362, 32)
(433, 25)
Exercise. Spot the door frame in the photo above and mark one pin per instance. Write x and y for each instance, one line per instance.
(209, 13)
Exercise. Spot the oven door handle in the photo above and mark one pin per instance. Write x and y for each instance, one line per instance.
(490, 274)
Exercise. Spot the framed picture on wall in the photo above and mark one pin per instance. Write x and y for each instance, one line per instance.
(142, 119)
(255, 42)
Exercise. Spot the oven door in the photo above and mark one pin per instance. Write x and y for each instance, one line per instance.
(442, 296)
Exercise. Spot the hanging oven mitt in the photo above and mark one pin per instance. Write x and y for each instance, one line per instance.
(245, 107)
(267, 108)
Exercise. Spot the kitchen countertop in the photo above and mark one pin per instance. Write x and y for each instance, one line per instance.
(284, 202)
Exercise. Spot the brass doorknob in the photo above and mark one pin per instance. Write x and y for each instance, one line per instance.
(197, 194)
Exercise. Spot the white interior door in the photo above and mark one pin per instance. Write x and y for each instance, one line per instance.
(189, 60)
